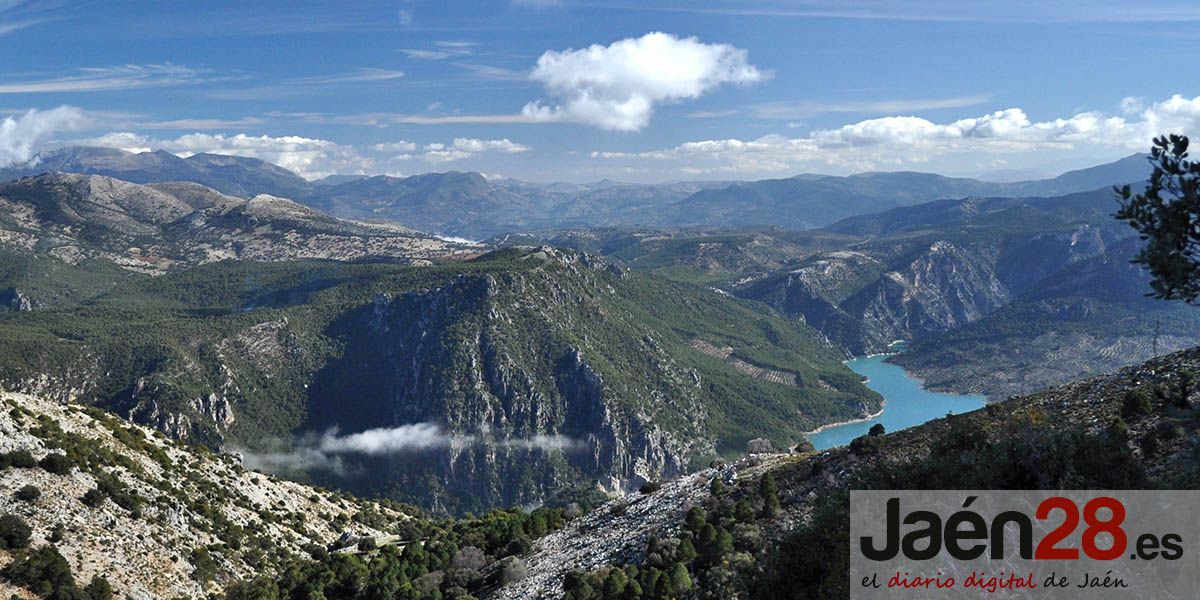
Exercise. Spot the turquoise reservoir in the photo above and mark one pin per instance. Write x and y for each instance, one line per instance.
(907, 403)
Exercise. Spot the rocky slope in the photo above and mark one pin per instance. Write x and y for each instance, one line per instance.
(154, 228)
(171, 521)
(1154, 447)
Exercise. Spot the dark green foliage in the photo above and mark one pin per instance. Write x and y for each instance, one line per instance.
(20, 459)
(28, 493)
(93, 498)
(440, 559)
(99, 588)
(876, 429)
(56, 463)
(44, 572)
(865, 445)
(1136, 404)
(650, 487)
(1167, 215)
(1187, 380)
(14, 532)
(769, 494)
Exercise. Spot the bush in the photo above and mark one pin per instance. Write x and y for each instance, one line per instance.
(513, 570)
(366, 544)
(20, 459)
(56, 463)
(1135, 405)
(14, 532)
(650, 487)
(866, 445)
(99, 589)
(876, 429)
(44, 572)
(93, 498)
(29, 493)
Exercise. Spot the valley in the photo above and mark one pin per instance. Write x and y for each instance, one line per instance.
(609, 373)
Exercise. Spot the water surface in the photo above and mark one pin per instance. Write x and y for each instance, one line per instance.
(908, 403)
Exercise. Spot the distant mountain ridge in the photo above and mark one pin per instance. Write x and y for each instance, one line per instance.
(469, 205)
(152, 228)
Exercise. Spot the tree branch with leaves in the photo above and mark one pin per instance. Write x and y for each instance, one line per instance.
(1167, 216)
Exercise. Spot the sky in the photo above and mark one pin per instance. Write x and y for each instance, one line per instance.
(581, 90)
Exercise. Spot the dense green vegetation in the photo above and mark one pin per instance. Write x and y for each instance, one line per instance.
(439, 559)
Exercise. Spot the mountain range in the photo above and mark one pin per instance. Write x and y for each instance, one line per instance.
(469, 205)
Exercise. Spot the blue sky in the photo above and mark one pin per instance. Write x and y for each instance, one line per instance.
(580, 90)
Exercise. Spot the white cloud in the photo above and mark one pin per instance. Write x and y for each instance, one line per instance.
(97, 79)
(618, 86)
(21, 135)
(400, 146)
(467, 147)
(365, 74)
(802, 110)
(904, 141)
(310, 157)
(327, 451)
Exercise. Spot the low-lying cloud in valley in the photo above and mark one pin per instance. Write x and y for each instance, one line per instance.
(334, 452)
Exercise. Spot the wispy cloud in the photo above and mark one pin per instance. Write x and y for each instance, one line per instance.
(365, 74)
(99, 79)
(994, 11)
(329, 451)
(538, 4)
(803, 110)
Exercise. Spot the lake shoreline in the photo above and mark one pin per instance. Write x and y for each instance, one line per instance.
(882, 405)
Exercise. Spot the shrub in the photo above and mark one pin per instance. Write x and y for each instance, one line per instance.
(99, 589)
(29, 493)
(93, 498)
(1135, 405)
(20, 459)
(650, 487)
(367, 544)
(14, 532)
(513, 570)
(44, 572)
(56, 463)
(866, 445)
(876, 429)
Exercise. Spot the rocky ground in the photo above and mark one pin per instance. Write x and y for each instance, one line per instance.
(201, 519)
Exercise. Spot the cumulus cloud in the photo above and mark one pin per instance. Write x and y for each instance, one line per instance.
(329, 451)
(618, 86)
(904, 141)
(20, 135)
